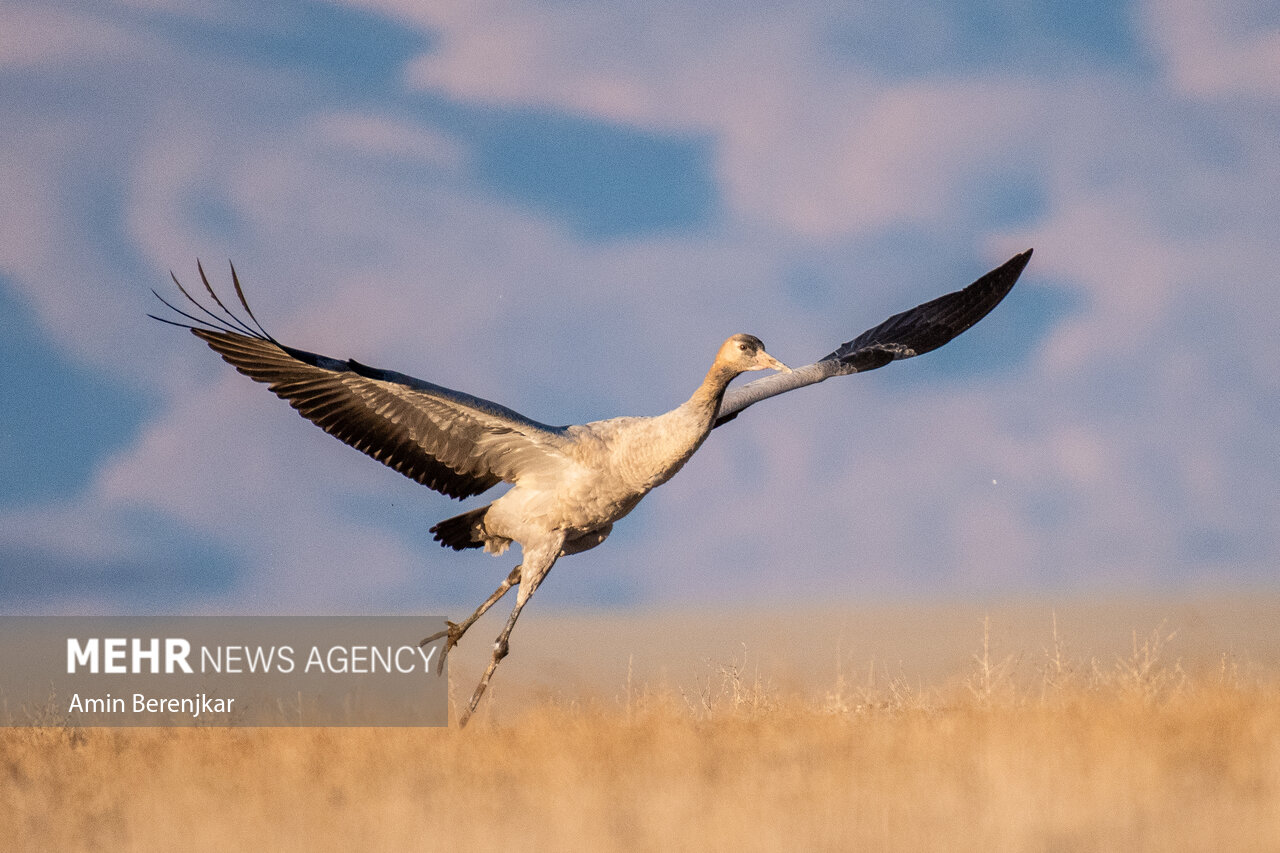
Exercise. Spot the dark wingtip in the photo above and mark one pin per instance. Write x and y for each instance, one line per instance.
(1019, 262)
(932, 324)
(1001, 280)
(989, 291)
(1012, 267)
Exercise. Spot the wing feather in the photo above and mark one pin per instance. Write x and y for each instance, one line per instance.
(922, 329)
(449, 441)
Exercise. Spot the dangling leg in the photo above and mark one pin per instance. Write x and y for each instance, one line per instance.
(455, 630)
(534, 568)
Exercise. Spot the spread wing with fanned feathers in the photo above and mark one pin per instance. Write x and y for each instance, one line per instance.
(461, 445)
(452, 442)
(925, 327)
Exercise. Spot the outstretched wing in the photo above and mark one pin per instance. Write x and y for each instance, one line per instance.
(452, 442)
(925, 327)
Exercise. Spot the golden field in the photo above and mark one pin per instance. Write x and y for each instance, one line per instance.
(1124, 726)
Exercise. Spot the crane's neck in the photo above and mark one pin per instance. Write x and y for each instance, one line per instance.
(704, 405)
(658, 447)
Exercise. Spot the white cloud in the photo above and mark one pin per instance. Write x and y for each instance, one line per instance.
(376, 135)
(1223, 49)
(83, 530)
(36, 36)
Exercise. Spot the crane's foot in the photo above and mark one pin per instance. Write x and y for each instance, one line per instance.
(454, 630)
(451, 635)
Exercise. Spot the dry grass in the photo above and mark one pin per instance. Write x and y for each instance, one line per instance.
(1033, 748)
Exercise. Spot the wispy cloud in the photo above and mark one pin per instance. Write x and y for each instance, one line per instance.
(1213, 50)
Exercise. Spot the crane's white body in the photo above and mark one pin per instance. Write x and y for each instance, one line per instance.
(600, 475)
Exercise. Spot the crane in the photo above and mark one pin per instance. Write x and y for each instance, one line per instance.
(569, 484)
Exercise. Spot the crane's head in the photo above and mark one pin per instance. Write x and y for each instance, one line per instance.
(746, 352)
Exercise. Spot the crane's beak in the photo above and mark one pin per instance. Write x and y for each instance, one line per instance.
(764, 361)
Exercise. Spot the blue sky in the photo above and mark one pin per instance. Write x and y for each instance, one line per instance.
(564, 207)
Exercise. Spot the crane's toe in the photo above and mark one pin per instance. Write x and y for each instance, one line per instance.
(451, 635)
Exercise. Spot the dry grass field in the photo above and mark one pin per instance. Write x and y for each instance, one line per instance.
(1094, 727)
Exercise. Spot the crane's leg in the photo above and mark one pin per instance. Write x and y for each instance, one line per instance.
(537, 562)
(456, 629)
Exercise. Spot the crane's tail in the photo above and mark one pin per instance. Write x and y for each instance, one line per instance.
(468, 531)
